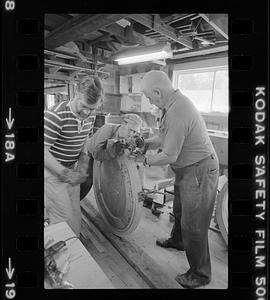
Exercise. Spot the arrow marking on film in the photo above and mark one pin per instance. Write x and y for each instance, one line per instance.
(10, 120)
(9, 270)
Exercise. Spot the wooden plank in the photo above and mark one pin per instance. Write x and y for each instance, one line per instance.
(161, 28)
(58, 76)
(205, 51)
(112, 263)
(74, 57)
(104, 264)
(55, 90)
(122, 273)
(134, 37)
(94, 229)
(173, 17)
(54, 63)
(64, 65)
(218, 21)
(135, 256)
(79, 27)
(59, 54)
(88, 234)
(104, 37)
(204, 40)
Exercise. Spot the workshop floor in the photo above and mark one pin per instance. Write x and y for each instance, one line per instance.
(151, 227)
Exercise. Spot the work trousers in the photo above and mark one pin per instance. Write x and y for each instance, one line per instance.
(62, 202)
(195, 192)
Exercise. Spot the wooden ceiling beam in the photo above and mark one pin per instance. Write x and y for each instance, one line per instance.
(58, 76)
(172, 17)
(53, 63)
(154, 22)
(59, 54)
(204, 40)
(104, 37)
(55, 89)
(101, 59)
(134, 37)
(72, 57)
(197, 52)
(79, 28)
(219, 22)
(54, 70)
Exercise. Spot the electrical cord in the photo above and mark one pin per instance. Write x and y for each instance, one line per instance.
(55, 248)
(73, 237)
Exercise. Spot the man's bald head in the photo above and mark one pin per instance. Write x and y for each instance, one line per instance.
(157, 86)
(156, 79)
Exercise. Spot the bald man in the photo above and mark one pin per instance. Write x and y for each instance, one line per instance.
(186, 146)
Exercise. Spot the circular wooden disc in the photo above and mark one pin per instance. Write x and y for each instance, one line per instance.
(116, 187)
(222, 212)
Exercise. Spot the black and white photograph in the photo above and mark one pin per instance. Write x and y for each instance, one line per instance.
(136, 138)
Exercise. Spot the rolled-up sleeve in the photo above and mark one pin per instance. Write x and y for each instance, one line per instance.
(97, 143)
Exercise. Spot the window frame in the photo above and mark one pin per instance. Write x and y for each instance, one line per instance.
(178, 73)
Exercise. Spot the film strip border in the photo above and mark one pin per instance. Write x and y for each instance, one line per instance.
(22, 153)
(248, 145)
(22, 157)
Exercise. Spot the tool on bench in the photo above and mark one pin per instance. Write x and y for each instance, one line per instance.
(52, 273)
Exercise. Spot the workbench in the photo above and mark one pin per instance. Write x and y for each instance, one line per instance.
(84, 272)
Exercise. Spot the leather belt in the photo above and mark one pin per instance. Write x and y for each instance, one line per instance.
(212, 156)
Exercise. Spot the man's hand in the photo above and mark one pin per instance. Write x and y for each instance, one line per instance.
(116, 148)
(83, 163)
(73, 177)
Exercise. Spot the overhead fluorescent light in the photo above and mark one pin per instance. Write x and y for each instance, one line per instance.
(142, 54)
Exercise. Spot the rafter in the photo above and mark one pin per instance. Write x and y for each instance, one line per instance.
(203, 51)
(79, 27)
(128, 35)
(219, 22)
(154, 22)
(104, 37)
(53, 63)
(58, 76)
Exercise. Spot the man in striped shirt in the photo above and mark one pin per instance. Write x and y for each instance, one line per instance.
(66, 127)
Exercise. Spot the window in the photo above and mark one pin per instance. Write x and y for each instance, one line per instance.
(220, 101)
(207, 88)
(50, 99)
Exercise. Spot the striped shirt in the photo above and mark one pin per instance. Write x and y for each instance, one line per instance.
(65, 133)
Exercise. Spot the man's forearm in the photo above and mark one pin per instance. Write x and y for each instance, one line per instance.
(51, 163)
(153, 142)
(83, 162)
(160, 159)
